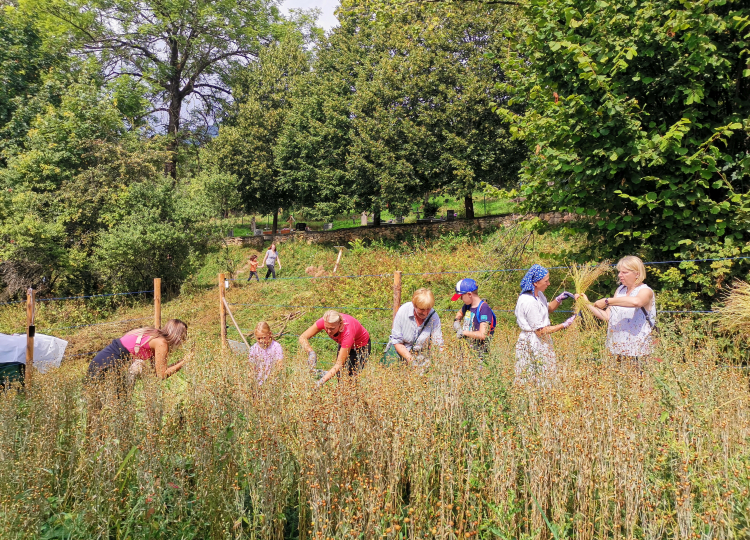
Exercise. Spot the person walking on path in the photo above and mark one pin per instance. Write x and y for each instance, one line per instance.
(353, 340)
(475, 320)
(138, 347)
(253, 268)
(630, 313)
(266, 355)
(416, 328)
(270, 260)
(534, 352)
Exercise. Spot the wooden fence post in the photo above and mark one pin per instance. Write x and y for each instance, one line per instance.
(157, 302)
(30, 331)
(222, 312)
(396, 292)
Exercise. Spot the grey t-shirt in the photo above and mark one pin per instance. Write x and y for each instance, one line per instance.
(271, 257)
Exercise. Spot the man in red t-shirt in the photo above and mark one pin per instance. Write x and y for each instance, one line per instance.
(353, 340)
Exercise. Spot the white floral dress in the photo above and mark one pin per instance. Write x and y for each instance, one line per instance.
(629, 329)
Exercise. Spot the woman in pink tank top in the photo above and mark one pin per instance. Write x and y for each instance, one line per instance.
(139, 346)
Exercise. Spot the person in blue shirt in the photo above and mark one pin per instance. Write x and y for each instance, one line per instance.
(475, 320)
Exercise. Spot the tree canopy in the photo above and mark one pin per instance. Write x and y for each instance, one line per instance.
(641, 124)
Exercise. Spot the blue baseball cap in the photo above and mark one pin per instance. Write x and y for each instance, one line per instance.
(464, 286)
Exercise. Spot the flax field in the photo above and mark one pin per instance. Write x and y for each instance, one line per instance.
(463, 450)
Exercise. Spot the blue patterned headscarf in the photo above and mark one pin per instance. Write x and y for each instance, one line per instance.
(534, 274)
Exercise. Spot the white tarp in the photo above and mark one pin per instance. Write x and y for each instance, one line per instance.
(48, 350)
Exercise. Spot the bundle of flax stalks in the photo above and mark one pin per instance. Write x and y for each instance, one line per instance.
(584, 277)
(735, 314)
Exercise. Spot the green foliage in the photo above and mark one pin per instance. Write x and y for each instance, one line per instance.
(171, 49)
(638, 114)
(213, 194)
(398, 106)
(158, 237)
(247, 139)
(23, 61)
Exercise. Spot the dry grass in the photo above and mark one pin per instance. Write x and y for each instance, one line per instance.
(734, 315)
(458, 452)
(583, 277)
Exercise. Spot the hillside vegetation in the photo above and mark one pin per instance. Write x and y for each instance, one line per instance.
(463, 450)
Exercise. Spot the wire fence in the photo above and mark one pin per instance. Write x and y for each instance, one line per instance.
(351, 308)
(488, 271)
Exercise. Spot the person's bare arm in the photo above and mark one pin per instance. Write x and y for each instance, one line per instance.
(552, 306)
(161, 352)
(304, 342)
(403, 351)
(340, 360)
(478, 334)
(601, 314)
(278, 260)
(640, 300)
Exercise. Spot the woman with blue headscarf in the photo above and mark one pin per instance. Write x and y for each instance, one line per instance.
(534, 352)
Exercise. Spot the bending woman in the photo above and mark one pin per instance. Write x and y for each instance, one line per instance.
(630, 313)
(416, 328)
(139, 346)
(353, 340)
(534, 352)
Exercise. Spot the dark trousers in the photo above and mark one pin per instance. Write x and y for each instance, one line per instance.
(358, 357)
(271, 270)
(251, 276)
(111, 363)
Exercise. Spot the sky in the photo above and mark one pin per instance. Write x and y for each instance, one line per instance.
(327, 19)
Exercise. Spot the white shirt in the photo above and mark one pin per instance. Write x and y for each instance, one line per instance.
(408, 333)
(629, 331)
(531, 315)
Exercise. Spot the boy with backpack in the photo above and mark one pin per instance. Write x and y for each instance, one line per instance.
(475, 320)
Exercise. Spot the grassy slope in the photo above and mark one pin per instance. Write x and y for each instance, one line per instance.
(462, 451)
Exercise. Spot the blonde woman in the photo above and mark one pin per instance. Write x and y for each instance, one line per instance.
(147, 344)
(266, 355)
(630, 313)
(348, 332)
(416, 328)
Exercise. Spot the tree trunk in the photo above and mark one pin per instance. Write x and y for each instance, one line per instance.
(469, 207)
(175, 108)
(376, 218)
(275, 221)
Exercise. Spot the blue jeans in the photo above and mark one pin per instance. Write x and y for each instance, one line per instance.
(271, 271)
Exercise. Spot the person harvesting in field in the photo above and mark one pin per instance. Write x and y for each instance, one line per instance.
(630, 313)
(534, 351)
(139, 347)
(269, 261)
(416, 328)
(353, 340)
(475, 321)
(266, 355)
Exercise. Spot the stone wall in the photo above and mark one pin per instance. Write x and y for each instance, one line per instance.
(341, 237)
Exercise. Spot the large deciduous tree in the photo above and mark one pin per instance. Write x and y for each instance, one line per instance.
(406, 104)
(178, 48)
(249, 134)
(640, 125)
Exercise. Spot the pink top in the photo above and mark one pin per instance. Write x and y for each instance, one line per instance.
(352, 335)
(265, 359)
(145, 352)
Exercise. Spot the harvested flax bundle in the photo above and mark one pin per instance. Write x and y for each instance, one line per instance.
(735, 314)
(584, 277)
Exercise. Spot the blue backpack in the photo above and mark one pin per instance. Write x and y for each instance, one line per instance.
(493, 320)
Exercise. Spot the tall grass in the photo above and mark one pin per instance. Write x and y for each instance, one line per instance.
(458, 452)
